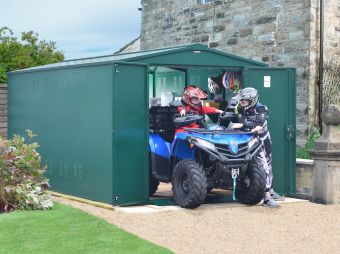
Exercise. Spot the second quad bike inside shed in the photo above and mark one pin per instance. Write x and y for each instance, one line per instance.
(198, 160)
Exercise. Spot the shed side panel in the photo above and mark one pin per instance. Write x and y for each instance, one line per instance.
(71, 112)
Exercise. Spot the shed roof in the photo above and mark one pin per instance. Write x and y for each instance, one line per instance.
(161, 56)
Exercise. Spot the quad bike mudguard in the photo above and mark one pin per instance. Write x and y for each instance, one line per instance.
(159, 157)
(162, 153)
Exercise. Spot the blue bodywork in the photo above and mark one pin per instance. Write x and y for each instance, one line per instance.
(231, 140)
(157, 145)
(180, 147)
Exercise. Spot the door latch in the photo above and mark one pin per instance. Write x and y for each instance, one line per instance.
(115, 200)
(290, 132)
(116, 68)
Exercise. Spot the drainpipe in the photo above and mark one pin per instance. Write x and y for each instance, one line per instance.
(321, 63)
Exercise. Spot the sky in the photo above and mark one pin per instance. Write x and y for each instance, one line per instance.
(80, 28)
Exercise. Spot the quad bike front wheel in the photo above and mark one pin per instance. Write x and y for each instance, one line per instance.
(254, 185)
(189, 184)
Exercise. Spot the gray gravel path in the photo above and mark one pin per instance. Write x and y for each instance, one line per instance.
(301, 227)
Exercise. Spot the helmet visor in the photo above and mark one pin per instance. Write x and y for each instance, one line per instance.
(195, 100)
(244, 102)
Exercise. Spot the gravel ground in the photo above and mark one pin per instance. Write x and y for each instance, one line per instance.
(301, 227)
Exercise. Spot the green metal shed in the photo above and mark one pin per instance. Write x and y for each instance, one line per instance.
(93, 127)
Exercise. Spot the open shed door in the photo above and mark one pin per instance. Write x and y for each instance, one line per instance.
(130, 134)
(277, 90)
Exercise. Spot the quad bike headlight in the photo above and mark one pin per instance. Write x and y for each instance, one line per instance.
(252, 142)
(206, 144)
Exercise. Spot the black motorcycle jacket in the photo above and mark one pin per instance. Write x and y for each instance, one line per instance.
(252, 117)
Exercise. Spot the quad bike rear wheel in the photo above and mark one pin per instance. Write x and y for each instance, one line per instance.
(189, 184)
(153, 185)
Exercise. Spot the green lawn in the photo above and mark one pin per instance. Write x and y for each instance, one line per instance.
(66, 230)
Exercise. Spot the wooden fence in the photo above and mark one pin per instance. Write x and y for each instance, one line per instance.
(3, 110)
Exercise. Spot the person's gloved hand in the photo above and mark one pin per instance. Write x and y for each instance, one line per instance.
(182, 113)
(236, 125)
(219, 111)
(257, 129)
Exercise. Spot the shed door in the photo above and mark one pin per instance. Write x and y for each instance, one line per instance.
(277, 91)
(130, 134)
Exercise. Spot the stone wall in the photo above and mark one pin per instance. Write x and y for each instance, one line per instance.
(332, 29)
(3, 110)
(278, 32)
(304, 178)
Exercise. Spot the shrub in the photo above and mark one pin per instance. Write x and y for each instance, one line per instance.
(22, 183)
(303, 152)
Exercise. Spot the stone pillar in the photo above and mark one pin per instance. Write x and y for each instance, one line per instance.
(326, 155)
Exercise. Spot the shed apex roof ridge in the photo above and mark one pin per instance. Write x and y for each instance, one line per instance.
(140, 55)
(193, 46)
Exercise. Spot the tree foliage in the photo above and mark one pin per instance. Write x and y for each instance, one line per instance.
(27, 52)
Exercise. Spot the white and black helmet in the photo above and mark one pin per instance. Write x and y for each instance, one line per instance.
(213, 86)
(250, 94)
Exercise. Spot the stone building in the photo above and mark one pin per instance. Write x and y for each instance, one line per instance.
(277, 32)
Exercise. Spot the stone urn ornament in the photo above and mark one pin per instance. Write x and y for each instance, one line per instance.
(331, 115)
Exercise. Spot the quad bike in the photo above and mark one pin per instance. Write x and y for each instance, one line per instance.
(198, 160)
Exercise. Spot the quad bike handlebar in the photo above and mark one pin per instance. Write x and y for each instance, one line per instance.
(224, 119)
(189, 118)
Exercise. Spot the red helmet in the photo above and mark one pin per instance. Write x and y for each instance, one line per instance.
(192, 96)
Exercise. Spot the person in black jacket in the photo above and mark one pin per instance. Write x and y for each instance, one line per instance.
(253, 115)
